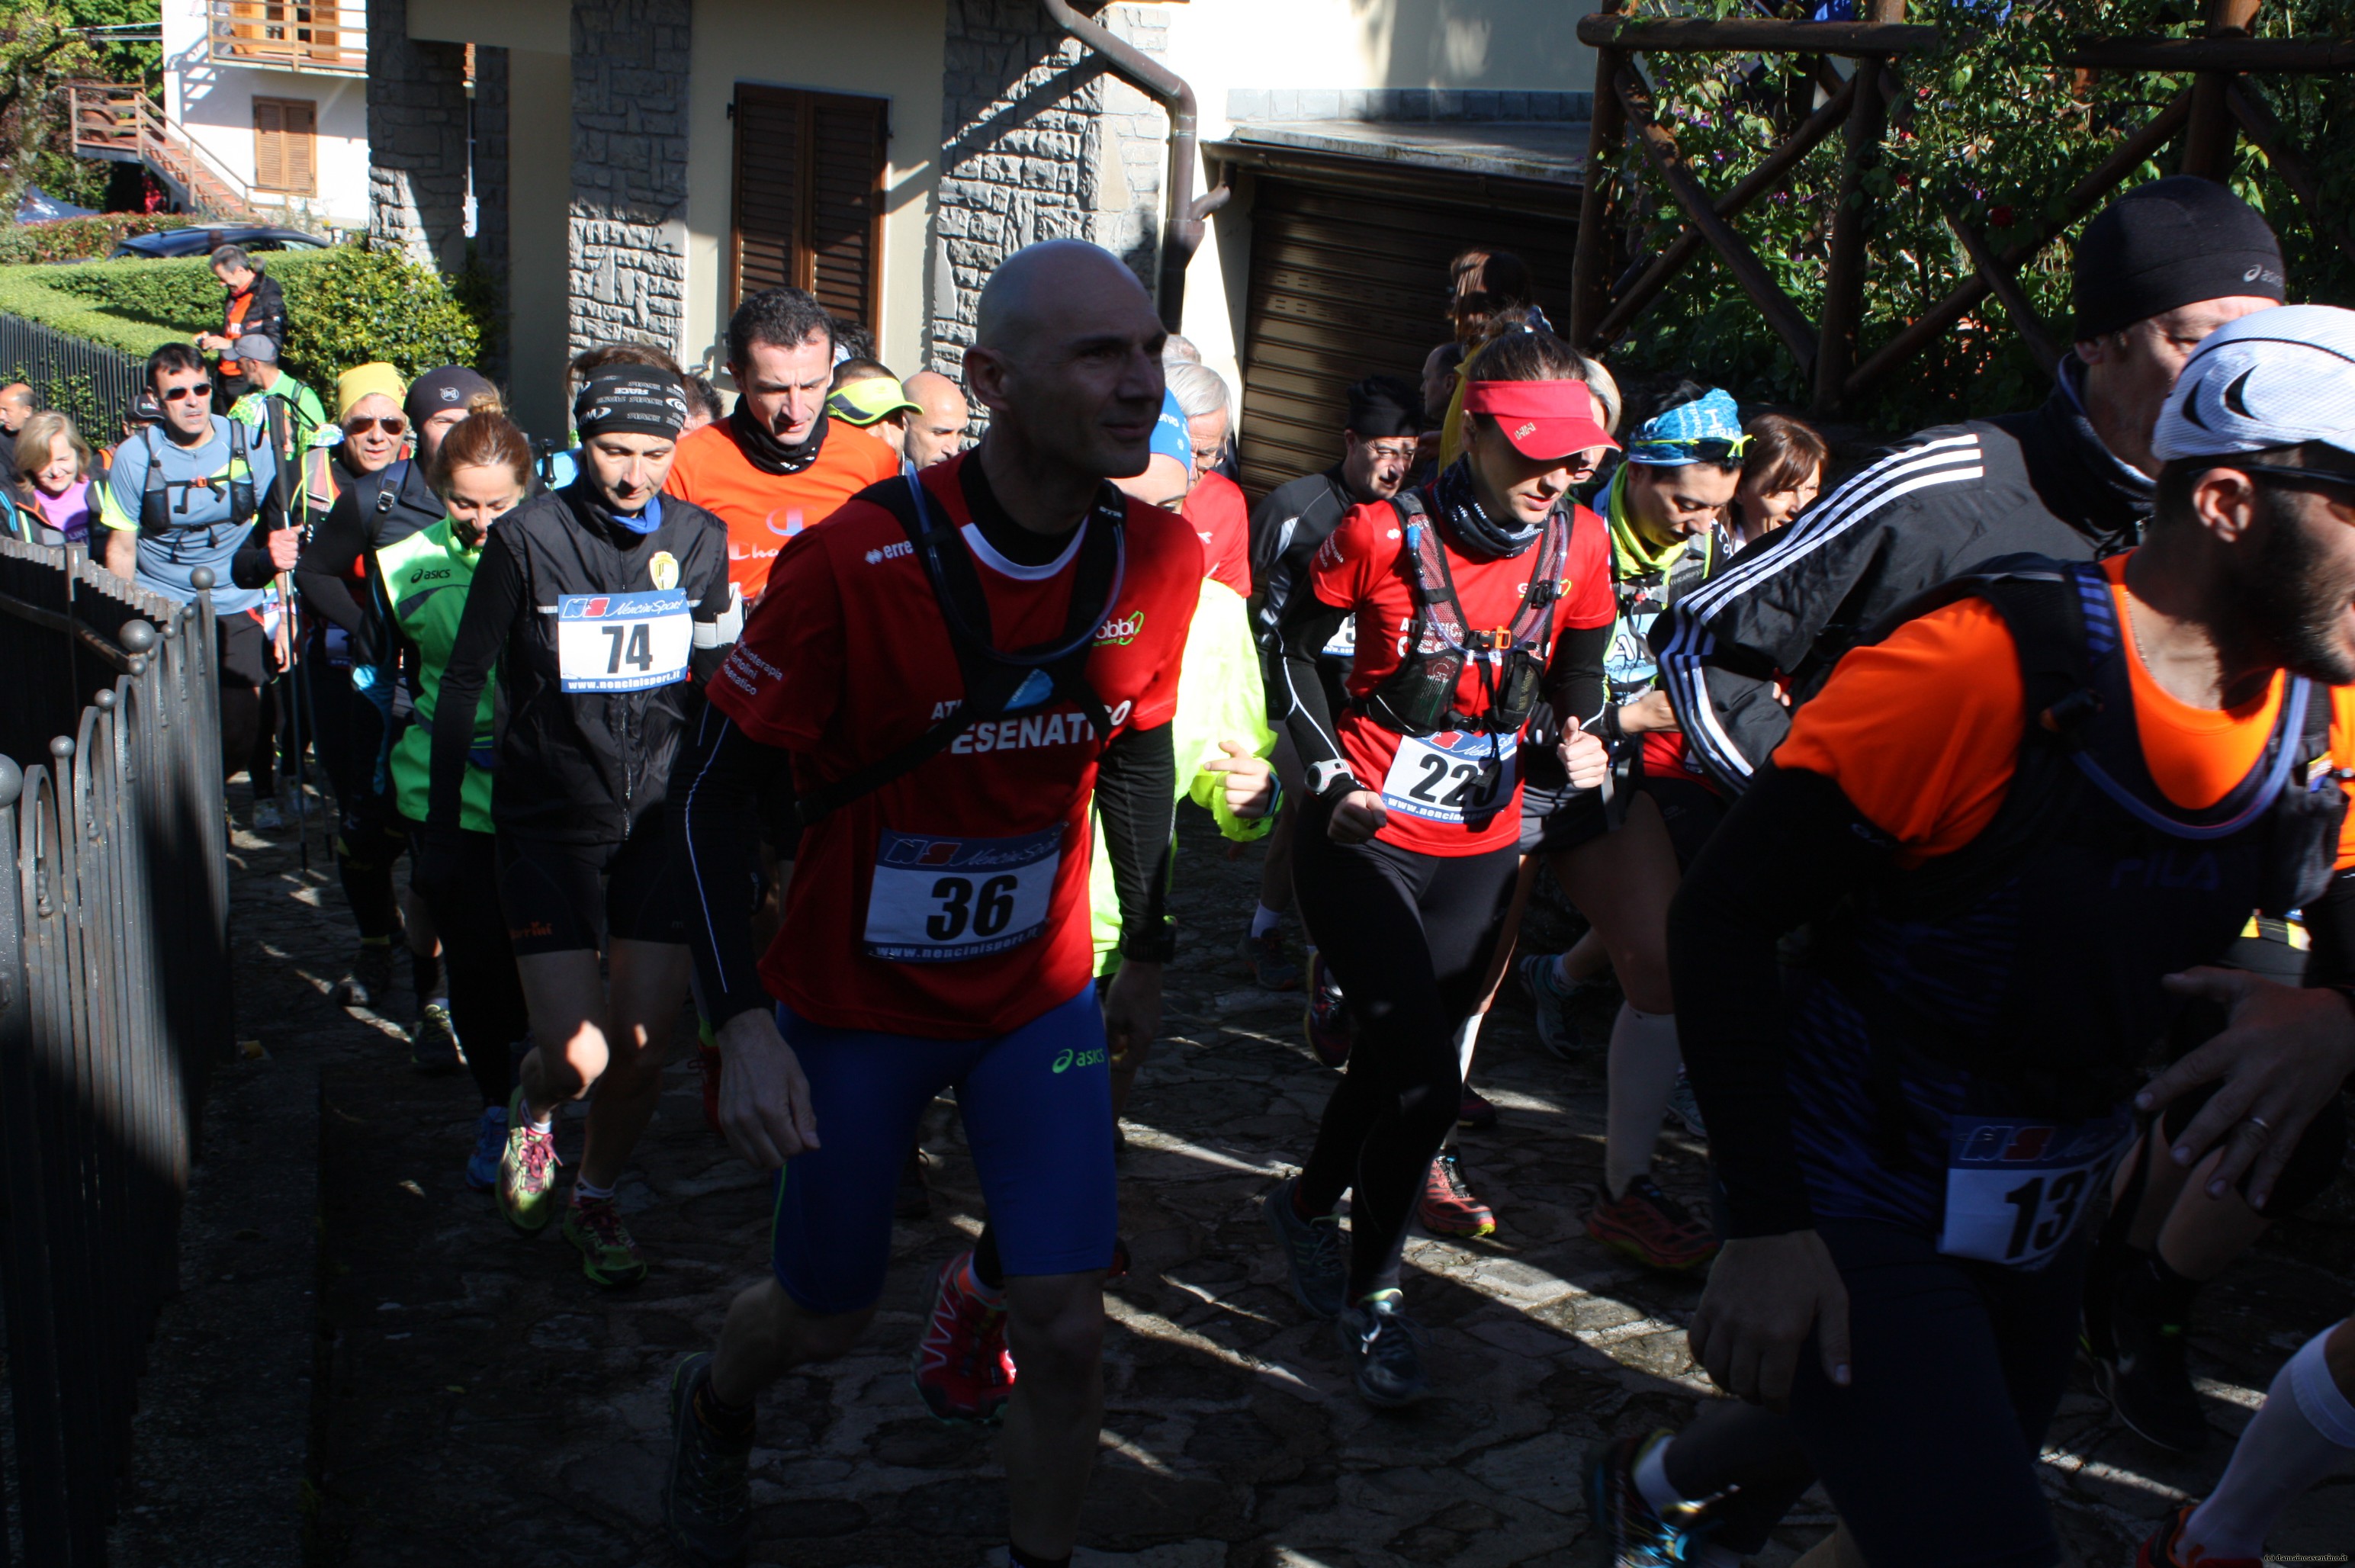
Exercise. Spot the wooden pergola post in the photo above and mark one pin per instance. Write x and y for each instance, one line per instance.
(2210, 139)
(1590, 266)
(1868, 116)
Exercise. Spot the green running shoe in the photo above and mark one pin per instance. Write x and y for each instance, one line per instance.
(526, 1171)
(607, 1254)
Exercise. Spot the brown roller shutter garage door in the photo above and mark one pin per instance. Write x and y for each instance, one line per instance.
(1347, 281)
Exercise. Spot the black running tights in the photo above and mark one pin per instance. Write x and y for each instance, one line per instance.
(486, 1004)
(1408, 936)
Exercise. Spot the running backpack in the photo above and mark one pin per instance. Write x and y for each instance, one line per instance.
(995, 681)
(1419, 696)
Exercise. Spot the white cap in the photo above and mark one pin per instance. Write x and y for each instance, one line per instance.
(2273, 377)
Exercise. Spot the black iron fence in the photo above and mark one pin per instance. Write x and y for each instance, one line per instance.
(115, 1003)
(90, 381)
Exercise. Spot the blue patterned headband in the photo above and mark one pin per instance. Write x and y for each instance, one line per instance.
(1707, 429)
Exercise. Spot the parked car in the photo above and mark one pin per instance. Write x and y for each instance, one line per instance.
(205, 242)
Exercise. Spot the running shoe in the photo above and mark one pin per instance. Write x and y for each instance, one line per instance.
(370, 979)
(1684, 1108)
(526, 1171)
(1476, 1112)
(2145, 1376)
(1312, 1252)
(1629, 1530)
(609, 1254)
(1270, 965)
(1652, 1228)
(1326, 1019)
(962, 1365)
(1551, 1001)
(490, 1142)
(1448, 1208)
(2159, 1549)
(268, 818)
(708, 1495)
(1385, 1350)
(434, 1043)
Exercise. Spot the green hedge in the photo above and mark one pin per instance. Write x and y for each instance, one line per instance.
(80, 238)
(344, 307)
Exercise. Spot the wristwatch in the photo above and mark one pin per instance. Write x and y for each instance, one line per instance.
(1324, 777)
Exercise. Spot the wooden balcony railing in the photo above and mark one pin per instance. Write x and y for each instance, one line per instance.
(282, 35)
(120, 123)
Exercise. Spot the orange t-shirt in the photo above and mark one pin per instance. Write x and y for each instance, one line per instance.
(763, 510)
(1922, 731)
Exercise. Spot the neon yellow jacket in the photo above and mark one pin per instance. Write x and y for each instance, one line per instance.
(1219, 697)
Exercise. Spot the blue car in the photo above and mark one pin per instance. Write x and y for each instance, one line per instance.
(205, 242)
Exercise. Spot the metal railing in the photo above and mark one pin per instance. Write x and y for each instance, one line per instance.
(119, 123)
(115, 1003)
(93, 384)
(278, 35)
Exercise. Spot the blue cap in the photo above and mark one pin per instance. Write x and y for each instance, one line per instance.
(1171, 436)
(1673, 437)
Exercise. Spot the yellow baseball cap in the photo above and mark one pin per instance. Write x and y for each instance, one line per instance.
(864, 402)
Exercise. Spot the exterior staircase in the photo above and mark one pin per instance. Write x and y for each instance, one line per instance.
(119, 122)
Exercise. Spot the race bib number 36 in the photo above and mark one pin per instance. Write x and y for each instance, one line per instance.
(1453, 776)
(936, 900)
(2016, 1189)
(621, 642)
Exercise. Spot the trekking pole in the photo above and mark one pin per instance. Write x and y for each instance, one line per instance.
(274, 418)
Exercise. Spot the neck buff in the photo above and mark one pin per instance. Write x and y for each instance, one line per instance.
(1471, 527)
(1632, 554)
(585, 496)
(765, 452)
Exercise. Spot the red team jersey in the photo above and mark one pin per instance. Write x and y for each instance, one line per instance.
(1451, 793)
(1221, 520)
(952, 903)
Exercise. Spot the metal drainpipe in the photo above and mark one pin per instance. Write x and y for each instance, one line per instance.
(1182, 210)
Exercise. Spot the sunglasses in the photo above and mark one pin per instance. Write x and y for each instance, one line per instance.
(1705, 448)
(2293, 477)
(194, 390)
(391, 424)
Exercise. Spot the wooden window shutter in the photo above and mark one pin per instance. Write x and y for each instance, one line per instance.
(809, 178)
(286, 145)
(269, 144)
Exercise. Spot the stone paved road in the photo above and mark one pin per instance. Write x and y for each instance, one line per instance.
(484, 1403)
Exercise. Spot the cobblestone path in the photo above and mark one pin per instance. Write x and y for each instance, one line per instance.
(482, 1404)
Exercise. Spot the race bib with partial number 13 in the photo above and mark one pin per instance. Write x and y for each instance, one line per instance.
(2017, 1190)
(623, 642)
(936, 900)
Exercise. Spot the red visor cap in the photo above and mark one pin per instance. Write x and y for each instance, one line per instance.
(1541, 419)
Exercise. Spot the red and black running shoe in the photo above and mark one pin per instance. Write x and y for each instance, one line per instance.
(962, 1366)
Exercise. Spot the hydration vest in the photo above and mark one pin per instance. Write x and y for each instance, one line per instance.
(388, 514)
(1419, 696)
(997, 680)
(155, 498)
(2031, 957)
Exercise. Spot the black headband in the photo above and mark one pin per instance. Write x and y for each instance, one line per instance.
(637, 398)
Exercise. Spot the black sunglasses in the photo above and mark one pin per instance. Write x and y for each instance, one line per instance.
(194, 390)
(2266, 473)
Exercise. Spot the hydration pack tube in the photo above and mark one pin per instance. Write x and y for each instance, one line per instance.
(994, 678)
(1419, 696)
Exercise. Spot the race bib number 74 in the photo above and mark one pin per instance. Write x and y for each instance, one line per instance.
(936, 900)
(623, 642)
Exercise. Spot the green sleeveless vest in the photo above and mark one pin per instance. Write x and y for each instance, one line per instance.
(424, 577)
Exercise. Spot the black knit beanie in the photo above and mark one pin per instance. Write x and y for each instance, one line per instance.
(451, 387)
(2167, 244)
(639, 399)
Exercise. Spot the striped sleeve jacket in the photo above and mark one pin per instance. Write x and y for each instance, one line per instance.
(1772, 624)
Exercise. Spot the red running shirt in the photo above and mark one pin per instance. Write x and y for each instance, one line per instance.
(1221, 520)
(1439, 800)
(952, 902)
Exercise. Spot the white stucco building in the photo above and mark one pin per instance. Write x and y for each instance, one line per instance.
(274, 95)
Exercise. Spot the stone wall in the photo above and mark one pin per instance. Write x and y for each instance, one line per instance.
(628, 239)
(490, 175)
(417, 140)
(1041, 143)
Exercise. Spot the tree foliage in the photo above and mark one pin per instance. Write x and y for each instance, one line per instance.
(1988, 122)
(40, 53)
